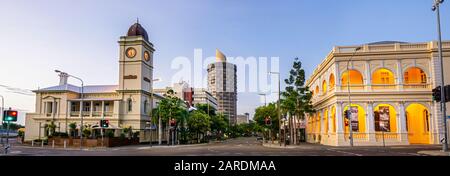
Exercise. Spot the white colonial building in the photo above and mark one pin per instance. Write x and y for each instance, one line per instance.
(127, 104)
(390, 86)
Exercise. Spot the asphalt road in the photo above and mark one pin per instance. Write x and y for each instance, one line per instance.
(232, 147)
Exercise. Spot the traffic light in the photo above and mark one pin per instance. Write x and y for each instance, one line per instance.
(104, 123)
(447, 93)
(346, 114)
(268, 121)
(437, 94)
(10, 116)
(173, 122)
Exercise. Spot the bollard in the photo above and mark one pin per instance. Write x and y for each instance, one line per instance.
(32, 143)
(42, 144)
(53, 143)
(65, 144)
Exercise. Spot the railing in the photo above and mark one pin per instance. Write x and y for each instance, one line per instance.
(86, 113)
(416, 86)
(75, 113)
(96, 113)
(108, 114)
(387, 136)
(353, 87)
(383, 86)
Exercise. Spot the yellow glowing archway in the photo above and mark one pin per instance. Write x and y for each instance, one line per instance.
(418, 124)
(325, 124)
(333, 119)
(414, 75)
(324, 87)
(317, 90)
(331, 81)
(361, 119)
(385, 118)
(317, 125)
(383, 77)
(356, 79)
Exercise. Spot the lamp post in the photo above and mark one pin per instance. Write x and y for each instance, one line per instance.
(443, 105)
(81, 104)
(279, 107)
(349, 100)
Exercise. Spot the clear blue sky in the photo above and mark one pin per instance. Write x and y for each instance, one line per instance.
(80, 37)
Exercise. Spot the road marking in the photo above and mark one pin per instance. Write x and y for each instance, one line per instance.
(350, 153)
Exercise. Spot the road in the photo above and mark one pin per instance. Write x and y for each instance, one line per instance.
(232, 147)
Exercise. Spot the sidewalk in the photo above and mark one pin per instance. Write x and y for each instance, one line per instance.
(299, 146)
(434, 153)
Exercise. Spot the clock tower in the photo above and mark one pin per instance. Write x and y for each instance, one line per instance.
(135, 77)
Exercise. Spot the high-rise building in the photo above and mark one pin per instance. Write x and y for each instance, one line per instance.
(222, 84)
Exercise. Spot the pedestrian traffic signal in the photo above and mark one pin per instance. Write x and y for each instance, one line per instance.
(437, 94)
(10, 116)
(268, 121)
(173, 122)
(104, 123)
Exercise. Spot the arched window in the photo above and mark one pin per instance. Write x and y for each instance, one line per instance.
(145, 106)
(383, 76)
(414, 75)
(331, 81)
(324, 87)
(130, 105)
(356, 79)
(317, 90)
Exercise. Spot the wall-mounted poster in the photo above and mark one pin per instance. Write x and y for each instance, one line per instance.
(384, 119)
(354, 118)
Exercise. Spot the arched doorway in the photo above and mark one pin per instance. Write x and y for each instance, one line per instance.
(331, 82)
(385, 118)
(356, 79)
(383, 79)
(361, 119)
(324, 87)
(333, 119)
(418, 124)
(325, 124)
(317, 126)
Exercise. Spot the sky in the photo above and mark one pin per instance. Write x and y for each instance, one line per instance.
(80, 37)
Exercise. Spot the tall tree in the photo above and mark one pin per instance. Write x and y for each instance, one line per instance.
(296, 101)
(199, 123)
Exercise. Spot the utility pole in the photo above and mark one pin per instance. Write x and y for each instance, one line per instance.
(349, 112)
(279, 107)
(441, 60)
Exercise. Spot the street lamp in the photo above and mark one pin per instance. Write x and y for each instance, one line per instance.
(443, 105)
(279, 107)
(265, 100)
(349, 100)
(81, 103)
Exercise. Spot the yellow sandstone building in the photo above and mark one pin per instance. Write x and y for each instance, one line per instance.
(390, 90)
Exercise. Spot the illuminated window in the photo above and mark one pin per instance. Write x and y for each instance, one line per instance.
(331, 81)
(383, 76)
(324, 87)
(415, 75)
(356, 78)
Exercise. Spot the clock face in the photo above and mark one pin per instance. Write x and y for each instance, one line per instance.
(131, 52)
(146, 56)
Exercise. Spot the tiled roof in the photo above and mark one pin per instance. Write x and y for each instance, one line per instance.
(86, 89)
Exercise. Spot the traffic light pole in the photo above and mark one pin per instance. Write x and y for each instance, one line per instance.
(443, 100)
(7, 138)
(2, 112)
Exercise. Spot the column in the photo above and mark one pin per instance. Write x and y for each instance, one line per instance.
(370, 125)
(91, 108)
(337, 77)
(368, 77)
(401, 123)
(339, 124)
(330, 120)
(399, 75)
(103, 110)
